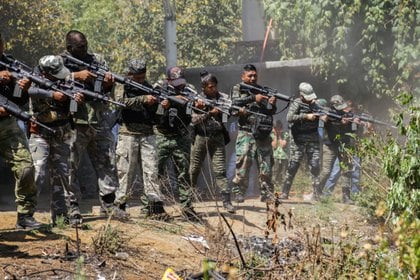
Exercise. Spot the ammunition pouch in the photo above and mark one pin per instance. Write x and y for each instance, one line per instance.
(262, 127)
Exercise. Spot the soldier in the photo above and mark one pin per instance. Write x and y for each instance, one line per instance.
(136, 140)
(305, 139)
(339, 134)
(253, 141)
(14, 150)
(172, 136)
(51, 151)
(92, 131)
(210, 136)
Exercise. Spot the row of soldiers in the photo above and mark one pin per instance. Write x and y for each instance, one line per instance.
(154, 128)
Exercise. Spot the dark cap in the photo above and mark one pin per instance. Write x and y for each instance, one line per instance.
(176, 76)
(136, 66)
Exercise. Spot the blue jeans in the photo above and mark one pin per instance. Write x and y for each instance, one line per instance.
(336, 173)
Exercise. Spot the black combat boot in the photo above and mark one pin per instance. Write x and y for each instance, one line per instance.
(346, 196)
(112, 210)
(157, 212)
(27, 221)
(227, 204)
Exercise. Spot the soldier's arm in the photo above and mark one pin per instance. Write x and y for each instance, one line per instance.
(199, 118)
(239, 99)
(294, 115)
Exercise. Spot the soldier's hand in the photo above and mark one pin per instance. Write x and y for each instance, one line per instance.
(24, 84)
(323, 118)
(165, 104)
(272, 100)
(200, 104)
(259, 98)
(79, 98)
(108, 80)
(311, 117)
(181, 97)
(84, 76)
(345, 120)
(214, 111)
(150, 100)
(5, 77)
(3, 112)
(242, 111)
(59, 96)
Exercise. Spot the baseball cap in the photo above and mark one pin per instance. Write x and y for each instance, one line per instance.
(322, 102)
(53, 65)
(307, 91)
(337, 101)
(136, 65)
(176, 76)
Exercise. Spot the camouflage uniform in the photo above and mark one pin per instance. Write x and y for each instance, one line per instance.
(305, 140)
(173, 142)
(92, 134)
(137, 145)
(14, 150)
(210, 136)
(253, 143)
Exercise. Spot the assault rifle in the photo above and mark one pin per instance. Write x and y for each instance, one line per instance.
(315, 108)
(267, 91)
(101, 70)
(223, 105)
(18, 71)
(14, 110)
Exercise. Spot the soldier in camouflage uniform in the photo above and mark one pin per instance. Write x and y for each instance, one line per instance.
(172, 137)
(305, 139)
(279, 144)
(92, 130)
(210, 136)
(14, 150)
(253, 141)
(51, 151)
(136, 140)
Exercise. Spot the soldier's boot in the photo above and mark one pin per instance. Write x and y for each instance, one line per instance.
(27, 221)
(286, 189)
(190, 215)
(346, 196)
(227, 203)
(75, 218)
(157, 212)
(112, 210)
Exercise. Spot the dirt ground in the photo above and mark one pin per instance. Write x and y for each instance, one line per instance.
(145, 248)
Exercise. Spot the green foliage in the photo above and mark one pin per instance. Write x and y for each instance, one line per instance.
(33, 28)
(367, 46)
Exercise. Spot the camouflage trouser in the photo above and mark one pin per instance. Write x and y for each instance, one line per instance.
(14, 150)
(215, 146)
(330, 154)
(134, 150)
(279, 170)
(177, 149)
(51, 155)
(99, 143)
(297, 152)
(247, 149)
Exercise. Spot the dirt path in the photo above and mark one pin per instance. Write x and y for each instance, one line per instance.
(149, 247)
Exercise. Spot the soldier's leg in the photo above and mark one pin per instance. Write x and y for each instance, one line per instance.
(181, 159)
(245, 150)
(40, 152)
(164, 152)
(313, 155)
(218, 156)
(149, 164)
(198, 154)
(265, 162)
(329, 156)
(59, 159)
(296, 155)
(128, 158)
(15, 151)
(79, 143)
(347, 167)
